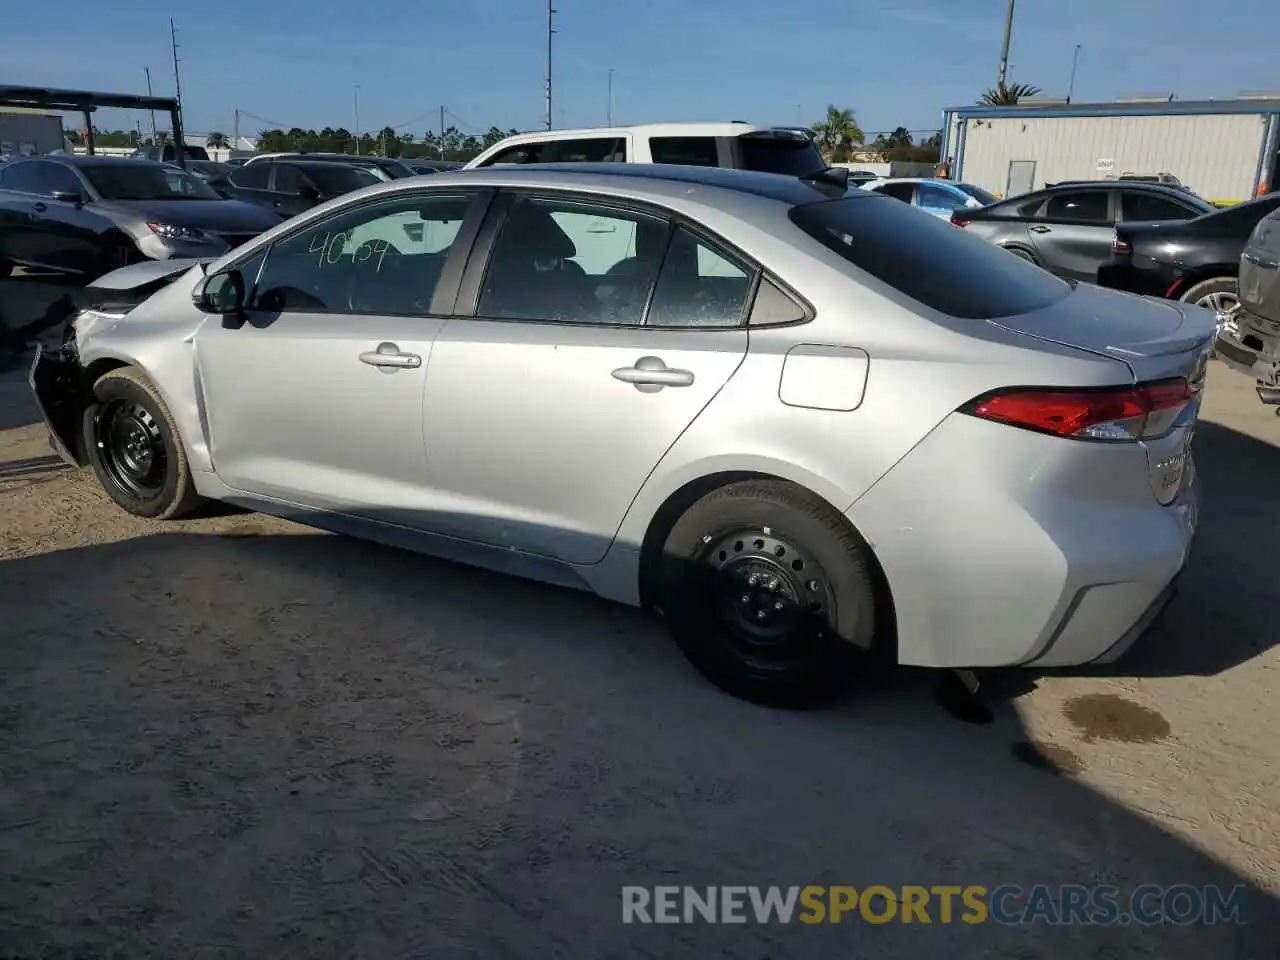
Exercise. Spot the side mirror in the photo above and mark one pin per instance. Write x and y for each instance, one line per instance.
(67, 196)
(221, 293)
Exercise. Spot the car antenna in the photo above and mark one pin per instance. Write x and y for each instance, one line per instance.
(829, 177)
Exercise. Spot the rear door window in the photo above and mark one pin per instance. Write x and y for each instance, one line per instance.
(584, 150)
(793, 156)
(929, 260)
(899, 191)
(1141, 205)
(691, 151)
(1080, 206)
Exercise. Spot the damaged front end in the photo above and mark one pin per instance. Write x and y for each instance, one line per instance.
(62, 386)
(1250, 344)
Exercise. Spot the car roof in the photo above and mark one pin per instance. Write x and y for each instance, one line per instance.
(98, 160)
(311, 160)
(639, 176)
(720, 128)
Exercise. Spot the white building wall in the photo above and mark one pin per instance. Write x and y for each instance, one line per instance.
(1216, 156)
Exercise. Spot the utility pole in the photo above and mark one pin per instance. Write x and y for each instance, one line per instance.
(1004, 47)
(235, 129)
(1075, 61)
(441, 131)
(147, 71)
(355, 100)
(551, 29)
(610, 114)
(177, 79)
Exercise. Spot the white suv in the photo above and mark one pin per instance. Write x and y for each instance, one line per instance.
(787, 150)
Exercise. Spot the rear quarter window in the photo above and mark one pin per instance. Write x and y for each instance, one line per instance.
(928, 259)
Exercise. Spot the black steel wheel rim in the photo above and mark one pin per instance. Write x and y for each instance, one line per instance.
(131, 449)
(771, 596)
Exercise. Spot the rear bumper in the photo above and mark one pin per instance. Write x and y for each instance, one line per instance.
(1002, 547)
(1251, 351)
(56, 382)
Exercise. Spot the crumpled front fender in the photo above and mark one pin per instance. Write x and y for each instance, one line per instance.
(58, 383)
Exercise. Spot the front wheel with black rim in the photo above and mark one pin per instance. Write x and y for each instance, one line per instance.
(768, 591)
(135, 449)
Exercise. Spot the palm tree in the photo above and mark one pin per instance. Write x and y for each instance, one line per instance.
(216, 140)
(837, 132)
(1008, 94)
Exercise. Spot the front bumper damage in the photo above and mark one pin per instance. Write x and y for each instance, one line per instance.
(1251, 345)
(57, 382)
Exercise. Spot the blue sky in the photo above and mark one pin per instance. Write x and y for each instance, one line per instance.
(894, 62)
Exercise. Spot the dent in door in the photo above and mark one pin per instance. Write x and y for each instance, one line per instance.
(821, 377)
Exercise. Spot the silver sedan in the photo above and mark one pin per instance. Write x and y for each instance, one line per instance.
(799, 422)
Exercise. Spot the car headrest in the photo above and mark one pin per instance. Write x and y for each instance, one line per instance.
(532, 229)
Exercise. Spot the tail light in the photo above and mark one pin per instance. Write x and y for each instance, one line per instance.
(1120, 247)
(1145, 412)
(958, 219)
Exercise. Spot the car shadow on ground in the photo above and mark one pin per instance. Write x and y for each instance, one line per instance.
(269, 744)
(15, 473)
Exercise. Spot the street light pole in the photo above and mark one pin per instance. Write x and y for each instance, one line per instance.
(610, 114)
(355, 101)
(1075, 61)
(1004, 47)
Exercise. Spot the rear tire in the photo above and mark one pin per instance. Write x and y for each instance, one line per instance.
(1220, 294)
(768, 592)
(1022, 254)
(135, 449)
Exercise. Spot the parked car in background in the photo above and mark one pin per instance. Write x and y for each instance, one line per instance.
(1068, 228)
(432, 166)
(1195, 261)
(237, 161)
(938, 197)
(288, 186)
(168, 153)
(859, 177)
(85, 215)
(738, 145)
(385, 168)
(1249, 336)
(777, 371)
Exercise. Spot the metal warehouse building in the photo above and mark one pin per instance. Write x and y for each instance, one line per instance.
(1224, 150)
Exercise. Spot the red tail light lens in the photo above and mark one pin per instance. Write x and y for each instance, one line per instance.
(957, 220)
(1120, 247)
(1143, 412)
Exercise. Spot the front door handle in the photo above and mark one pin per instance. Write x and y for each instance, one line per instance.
(650, 374)
(390, 359)
(1040, 228)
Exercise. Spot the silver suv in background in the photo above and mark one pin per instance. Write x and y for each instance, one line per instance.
(1249, 339)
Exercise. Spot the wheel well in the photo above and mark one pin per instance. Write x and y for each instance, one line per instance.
(98, 368)
(1018, 248)
(886, 638)
(1201, 274)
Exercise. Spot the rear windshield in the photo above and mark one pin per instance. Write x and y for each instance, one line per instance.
(796, 157)
(928, 259)
(335, 179)
(982, 196)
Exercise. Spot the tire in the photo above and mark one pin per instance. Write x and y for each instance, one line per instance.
(1021, 254)
(135, 449)
(800, 549)
(1219, 294)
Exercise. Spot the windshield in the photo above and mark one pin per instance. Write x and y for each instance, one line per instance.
(396, 169)
(335, 179)
(145, 182)
(928, 259)
(795, 156)
(978, 193)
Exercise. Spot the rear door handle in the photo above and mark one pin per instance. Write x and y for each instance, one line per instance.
(1041, 228)
(39, 207)
(389, 357)
(650, 374)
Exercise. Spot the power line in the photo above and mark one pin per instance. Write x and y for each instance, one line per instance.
(462, 124)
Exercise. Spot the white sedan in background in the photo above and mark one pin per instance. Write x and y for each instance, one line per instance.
(938, 197)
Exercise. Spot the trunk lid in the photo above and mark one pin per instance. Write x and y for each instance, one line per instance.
(1260, 272)
(1154, 338)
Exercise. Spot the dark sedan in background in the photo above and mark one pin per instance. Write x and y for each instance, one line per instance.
(83, 216)
(386, 168)
(288, 186)
(1068, 228)
(1195, 261)
(422, 167)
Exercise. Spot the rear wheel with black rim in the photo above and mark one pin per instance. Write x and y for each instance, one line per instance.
(135, 449)
(768, 591)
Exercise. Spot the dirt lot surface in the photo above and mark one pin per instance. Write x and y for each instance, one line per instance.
(236, 737)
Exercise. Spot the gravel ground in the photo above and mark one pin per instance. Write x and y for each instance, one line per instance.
(236, 737)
